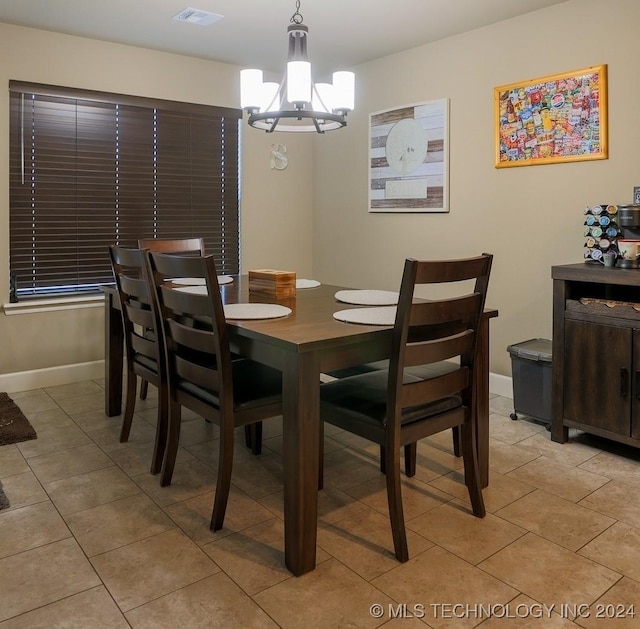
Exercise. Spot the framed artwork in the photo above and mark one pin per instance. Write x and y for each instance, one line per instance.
(557, 118)
(409, 158)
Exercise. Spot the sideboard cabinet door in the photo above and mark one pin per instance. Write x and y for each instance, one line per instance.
(599, 376)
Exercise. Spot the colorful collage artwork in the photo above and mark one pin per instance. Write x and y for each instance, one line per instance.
(553, 119)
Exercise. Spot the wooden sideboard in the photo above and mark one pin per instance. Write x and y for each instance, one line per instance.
(596, 352)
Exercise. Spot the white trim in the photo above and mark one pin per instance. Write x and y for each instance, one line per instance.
(500, 385)
(68, 374)
(51, 376)
(51, 305)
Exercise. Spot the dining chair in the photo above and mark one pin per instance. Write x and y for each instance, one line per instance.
(194, 246)
(143, 345)
(200, 371)
(395, 408)
(182, 246)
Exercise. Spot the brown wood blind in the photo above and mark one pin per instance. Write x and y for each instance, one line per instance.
(90, 169)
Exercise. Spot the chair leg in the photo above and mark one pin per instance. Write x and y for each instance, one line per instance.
(253, 437)
(383, 460)
(223, 482)
(256, 438)
(162, 425)
(129, 406)
(410, 456)
(457, 440)
(144, 388)
(471, 470)
(321, 457)
(173, 438)
(396, 512)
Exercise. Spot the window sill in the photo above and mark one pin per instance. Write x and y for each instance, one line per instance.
(54, 304)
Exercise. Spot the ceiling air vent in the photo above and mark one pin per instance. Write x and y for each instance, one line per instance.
(196, 16)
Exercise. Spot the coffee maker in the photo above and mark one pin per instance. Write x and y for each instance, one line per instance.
(629, 221)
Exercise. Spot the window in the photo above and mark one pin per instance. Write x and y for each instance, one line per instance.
(90, 169)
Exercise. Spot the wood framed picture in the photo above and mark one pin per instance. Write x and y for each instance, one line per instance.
(556, 118)
(409, 158)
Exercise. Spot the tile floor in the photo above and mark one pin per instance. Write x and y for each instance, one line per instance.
(91, 540)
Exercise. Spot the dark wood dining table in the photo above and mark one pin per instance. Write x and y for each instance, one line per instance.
(302, 345)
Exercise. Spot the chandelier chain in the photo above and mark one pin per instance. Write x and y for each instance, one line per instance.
(296, 18)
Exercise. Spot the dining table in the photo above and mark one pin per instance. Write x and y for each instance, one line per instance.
(303, 345)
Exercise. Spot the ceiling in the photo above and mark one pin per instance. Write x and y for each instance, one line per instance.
(252, 33)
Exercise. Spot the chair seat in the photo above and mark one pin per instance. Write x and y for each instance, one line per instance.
(253, 384)
(362, 399)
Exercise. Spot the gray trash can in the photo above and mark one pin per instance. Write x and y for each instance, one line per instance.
(531, 376)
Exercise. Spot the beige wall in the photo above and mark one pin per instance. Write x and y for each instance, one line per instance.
(276, 205)
(528, 217)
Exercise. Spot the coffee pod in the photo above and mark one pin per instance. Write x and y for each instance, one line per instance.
(612, 209)
(604, 220)
(591, 242)
(591, 220)
(604, 243)
(596, 232)
(586, 210)
(611, 232)
(597, 209)
(596, 254)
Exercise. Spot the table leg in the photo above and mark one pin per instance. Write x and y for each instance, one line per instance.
(113, 356)
(301, 427)
(482, 389)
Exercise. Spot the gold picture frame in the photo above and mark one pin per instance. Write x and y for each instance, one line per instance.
(409, 158)
(552, 119)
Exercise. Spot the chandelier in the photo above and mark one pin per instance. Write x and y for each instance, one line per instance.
(297, 103)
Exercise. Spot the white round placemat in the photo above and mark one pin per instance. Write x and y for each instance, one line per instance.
(195, 290)
(189, 281)
(198, 281)
(368, 297)
(255, 311)
(307, 283)
(383, 315)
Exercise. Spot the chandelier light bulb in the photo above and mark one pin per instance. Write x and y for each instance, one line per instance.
(344, 90)
(299, 83)
(322, 97)
(270, 100)
(251, 92)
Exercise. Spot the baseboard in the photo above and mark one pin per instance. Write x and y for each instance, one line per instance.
(500, 385)
(51, 376)
(68, 374)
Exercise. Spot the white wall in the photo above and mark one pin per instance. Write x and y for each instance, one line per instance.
(276, 205)
(530, 218)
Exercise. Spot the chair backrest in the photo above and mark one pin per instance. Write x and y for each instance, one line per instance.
(430, 331)
(196, 344)
(179, 246)
(141, 336)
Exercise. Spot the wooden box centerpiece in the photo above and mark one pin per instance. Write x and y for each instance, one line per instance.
(272, 283)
